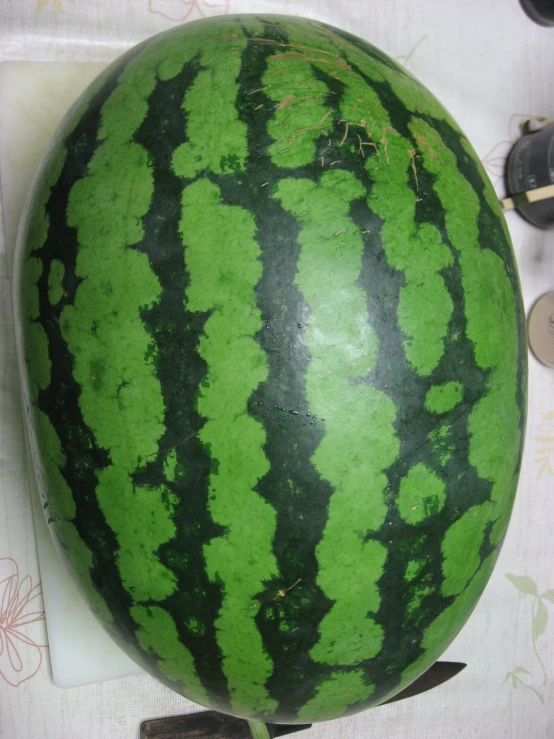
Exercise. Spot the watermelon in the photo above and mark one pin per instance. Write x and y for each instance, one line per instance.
(274, 365)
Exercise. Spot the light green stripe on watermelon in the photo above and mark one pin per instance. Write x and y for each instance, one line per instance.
(309, 39)
(421, 494)
(414, 568)
(356, 416)
(447, 624)
(170, 465)
(216, 137)
(61, 510)
(55, 281)
(335, 694)
(465, 537)
(411, 93)
(39, 221)
(404, 85)
(301, 115)
(75, 114)
(56, 491)
(456, 614)
(490, 310)
(112, 349)
(241, 560)
(441, 443)
(417, 594)
(490, 195)
(61, 505)
(36, 340)
(157, 634)
(424, 305)
(443, 398)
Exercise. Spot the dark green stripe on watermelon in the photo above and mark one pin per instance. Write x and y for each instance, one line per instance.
(491, 229)
(60, 400)
(182, 463)
(363, 46)
(292, 485)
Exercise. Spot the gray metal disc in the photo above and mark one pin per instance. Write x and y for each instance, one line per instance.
(541, 329)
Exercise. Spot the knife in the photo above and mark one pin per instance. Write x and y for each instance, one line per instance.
(436, 675)
(215, 725)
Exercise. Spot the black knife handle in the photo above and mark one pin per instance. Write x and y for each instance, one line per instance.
(208, 725)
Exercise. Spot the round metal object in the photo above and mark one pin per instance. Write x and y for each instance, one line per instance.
(541, 329)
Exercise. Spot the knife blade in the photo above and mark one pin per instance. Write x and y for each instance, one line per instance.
(436, 675)
(215, 725)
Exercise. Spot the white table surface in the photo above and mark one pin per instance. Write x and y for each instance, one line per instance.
(492, 68)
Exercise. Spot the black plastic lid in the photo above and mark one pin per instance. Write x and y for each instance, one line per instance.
(540, 11)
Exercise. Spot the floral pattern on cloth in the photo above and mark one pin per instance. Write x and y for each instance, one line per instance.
(539, 613)
(181, 10)
(56, 4)
(544, 451)
(21, 630)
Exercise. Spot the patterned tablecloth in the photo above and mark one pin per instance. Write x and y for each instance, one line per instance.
(492, 68)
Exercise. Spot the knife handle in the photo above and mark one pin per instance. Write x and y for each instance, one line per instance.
(208, 725)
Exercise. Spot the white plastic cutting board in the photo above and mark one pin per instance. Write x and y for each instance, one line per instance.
(34, 97)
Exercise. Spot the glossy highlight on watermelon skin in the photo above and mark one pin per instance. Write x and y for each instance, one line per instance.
(274, 365)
